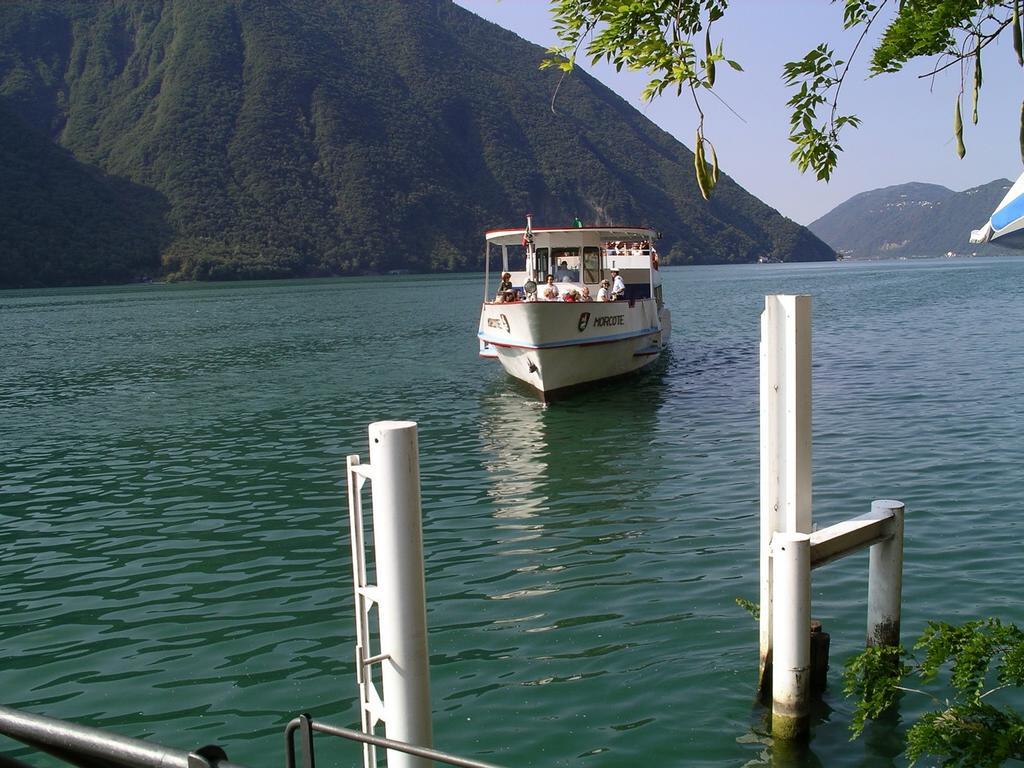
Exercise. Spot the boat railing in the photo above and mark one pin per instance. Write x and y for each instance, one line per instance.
(87, 747)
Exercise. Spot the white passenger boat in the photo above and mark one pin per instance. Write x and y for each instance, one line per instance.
(547, 334)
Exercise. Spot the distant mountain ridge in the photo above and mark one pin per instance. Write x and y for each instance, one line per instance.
(321, 137)
(913, 219)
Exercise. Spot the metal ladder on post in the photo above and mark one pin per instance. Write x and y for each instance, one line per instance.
(371, 706)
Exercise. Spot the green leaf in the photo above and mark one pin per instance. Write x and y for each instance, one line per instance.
(966, 729)
(874, 677)
(922, 29)
(750, 607)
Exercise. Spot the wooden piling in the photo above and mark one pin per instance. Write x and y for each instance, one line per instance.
(820, 642)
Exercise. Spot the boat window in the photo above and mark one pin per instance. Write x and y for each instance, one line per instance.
(542, 264)
(566, 264)
(495, 257)
(591, 264)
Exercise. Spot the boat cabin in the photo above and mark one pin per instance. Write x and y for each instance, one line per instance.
(577, 256)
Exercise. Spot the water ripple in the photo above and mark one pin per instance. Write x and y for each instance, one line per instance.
(173, 534)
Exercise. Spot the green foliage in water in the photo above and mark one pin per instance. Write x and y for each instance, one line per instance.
(754, 609)
(970, 665)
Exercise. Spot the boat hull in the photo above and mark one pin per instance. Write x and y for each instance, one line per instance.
(558, 346)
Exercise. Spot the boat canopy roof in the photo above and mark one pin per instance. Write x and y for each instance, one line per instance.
(1006, 226)
(570, 236)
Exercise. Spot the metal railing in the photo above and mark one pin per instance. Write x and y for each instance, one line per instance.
(306, 726)
(91, 747)
(87, 747)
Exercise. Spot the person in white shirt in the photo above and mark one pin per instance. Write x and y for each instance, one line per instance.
(618, 285)
(549, 292)
(603, 294)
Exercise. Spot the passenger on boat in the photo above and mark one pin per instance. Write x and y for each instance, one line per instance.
(603, 293)
(618, 285)
(506, 292)
(549, 292)
(571, 295)
(585, 294)
(563, 274)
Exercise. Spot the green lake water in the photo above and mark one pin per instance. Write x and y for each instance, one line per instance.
(173, 526)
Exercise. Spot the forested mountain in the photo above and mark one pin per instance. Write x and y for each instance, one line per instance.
(62, 222)
(911, 220)
(314, 137)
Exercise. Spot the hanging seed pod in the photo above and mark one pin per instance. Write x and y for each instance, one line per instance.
(977, 84)
(958, 131)
(1022, 131)
(701, 169)
(709, 63)
(1018, 44)
(714, 165)
(702, 185)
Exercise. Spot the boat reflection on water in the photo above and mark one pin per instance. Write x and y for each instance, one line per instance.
(514, 458)
(568, 484)
(565, 465)
(515, 454)
(592, 543)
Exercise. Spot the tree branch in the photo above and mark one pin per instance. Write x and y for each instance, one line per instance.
(849, 60)
(986, 39)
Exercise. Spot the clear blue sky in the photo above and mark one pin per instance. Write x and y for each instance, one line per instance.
(907, 127)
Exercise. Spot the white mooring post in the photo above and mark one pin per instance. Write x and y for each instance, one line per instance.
(400, 590)
(785, 443)
(885, 579)
(789, 549)
(791, 619)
